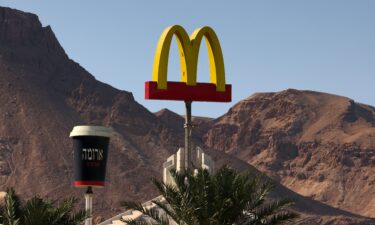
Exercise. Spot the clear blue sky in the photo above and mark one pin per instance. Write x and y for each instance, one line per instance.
(268, 46)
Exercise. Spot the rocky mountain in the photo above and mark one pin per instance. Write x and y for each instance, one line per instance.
(318, 145)
(43, 94)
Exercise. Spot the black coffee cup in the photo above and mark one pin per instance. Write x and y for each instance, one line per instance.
(90, 155)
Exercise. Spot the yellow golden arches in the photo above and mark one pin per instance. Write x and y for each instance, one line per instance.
(189, 50)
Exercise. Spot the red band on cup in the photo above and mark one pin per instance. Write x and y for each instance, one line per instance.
(89, 183)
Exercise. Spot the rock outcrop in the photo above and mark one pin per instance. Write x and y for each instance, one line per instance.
(319, 145)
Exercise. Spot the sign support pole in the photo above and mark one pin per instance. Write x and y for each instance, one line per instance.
(188, 144)
(88, 197)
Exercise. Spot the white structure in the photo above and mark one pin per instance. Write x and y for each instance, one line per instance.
(198, 160)
(175, 161)
(184, 159)
(130, 214)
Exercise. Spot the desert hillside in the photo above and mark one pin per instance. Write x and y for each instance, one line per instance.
(319, 145)
(43, 94)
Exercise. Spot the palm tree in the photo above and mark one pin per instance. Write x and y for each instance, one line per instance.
(225, 198)
(38, 211)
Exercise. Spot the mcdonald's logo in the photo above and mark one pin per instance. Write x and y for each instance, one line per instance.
(188, 89)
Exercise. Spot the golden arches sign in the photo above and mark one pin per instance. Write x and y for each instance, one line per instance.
(189, 51)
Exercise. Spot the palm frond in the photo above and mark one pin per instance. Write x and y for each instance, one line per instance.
(157, 217)
(36, 211)
(64, 213)
(282, 218)
(274, 207)
(270, 213)
(12, 208)
(225, 198)
(167, 209)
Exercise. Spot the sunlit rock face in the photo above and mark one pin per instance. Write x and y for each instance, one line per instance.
(319, 145)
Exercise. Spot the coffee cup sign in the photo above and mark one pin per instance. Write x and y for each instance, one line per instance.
(90, 155)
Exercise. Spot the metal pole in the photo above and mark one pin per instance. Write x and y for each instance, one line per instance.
(188, 129)
(88, 197)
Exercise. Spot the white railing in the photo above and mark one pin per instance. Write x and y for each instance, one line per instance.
(129, 212)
